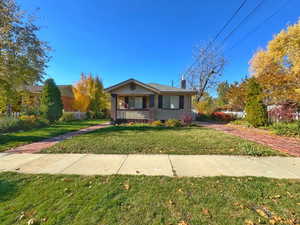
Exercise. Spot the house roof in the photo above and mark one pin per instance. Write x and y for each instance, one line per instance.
(157, 88)
(166, 88)
(65, 90)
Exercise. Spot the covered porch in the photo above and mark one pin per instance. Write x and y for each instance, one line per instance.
(133, 107)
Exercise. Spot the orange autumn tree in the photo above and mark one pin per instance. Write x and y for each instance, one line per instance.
(277, 68)
(81, 92)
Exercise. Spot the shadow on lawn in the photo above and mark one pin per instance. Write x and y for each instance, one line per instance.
(7, 189)
(142, 128)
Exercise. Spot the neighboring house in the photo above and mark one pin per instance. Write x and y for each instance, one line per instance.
(66, 92)
(133, 100)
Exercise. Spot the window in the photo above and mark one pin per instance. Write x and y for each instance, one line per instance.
(171, 102)
(135, 102)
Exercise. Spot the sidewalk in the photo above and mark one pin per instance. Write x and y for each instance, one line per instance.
(165, 165)
(47, 143)
(281, 143)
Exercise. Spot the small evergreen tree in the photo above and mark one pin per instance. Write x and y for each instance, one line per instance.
(51, 104)
(256, 111)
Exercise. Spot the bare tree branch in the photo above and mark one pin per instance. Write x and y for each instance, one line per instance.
(208, 67)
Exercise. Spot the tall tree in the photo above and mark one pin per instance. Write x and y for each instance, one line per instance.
(206, 105)
(23, 56)
(51, 105)
(236, 96)
(222, 90)
(98, 98)
(208, 67)
(89, 95)
(256, 111)
(277, 68)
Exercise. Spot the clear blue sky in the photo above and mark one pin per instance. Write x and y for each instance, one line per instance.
(150, 40)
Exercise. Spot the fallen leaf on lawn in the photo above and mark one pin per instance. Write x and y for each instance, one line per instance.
(298, 203)
(180, 190)
(276, 196)
(249, 222)
(137, 171)
(182, 222)
(32, 222)
(261, 213)
(126, 186)
(205, 211)
(272, 221)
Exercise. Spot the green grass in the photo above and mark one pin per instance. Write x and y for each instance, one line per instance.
(114, 200)
(160, 140)
(10, 140)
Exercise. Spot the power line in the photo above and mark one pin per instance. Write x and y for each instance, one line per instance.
(243, 21)
(219, 33)
(259, 25)
(228, 21)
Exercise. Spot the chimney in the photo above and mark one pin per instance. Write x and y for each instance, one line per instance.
(183, 83)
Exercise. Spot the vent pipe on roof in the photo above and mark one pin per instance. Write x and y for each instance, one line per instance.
(183, 82)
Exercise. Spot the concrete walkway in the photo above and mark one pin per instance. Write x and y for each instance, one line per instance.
(281, 143)
(47, 143)
(166, 165)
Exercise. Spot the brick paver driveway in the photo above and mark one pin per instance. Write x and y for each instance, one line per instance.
(283, 144)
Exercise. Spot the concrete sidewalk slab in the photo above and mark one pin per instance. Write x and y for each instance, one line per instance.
(96, 165)
(12, 162)
(213, 165)
(147, 165)
(3, 154)
(51, 164)
(196, 165)
(153, 165)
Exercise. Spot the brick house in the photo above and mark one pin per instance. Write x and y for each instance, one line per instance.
(66, 91)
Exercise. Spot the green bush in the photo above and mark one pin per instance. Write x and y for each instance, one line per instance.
(10, 124)
(157, 123)
(287, 129)
(68, 116)
(256, 111)
(173, 123)
(51, 104)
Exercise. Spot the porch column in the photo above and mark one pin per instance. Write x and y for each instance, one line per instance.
(114, 99)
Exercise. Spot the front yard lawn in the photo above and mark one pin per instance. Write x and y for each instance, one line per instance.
(160, 140)
(10, 140)
(132, 200)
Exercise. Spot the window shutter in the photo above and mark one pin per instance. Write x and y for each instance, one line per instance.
(126, 102)
(151, 101)
(181, 102)
(160, 101)
(144, 102)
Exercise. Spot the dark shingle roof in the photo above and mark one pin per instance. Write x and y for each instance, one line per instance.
(65, 90)
(166, 88)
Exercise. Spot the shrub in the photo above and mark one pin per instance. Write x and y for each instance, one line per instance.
(221, 116)
(203, 117)
(173, 123)
(284, 112)
(51, 104)
(287, 129)
(256, 111)
(157, 123)
(187, 119)
(10, 124)
(67, 117)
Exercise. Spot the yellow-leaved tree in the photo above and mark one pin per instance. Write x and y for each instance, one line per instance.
(81, 92)
(277, 68)
(90, 96)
